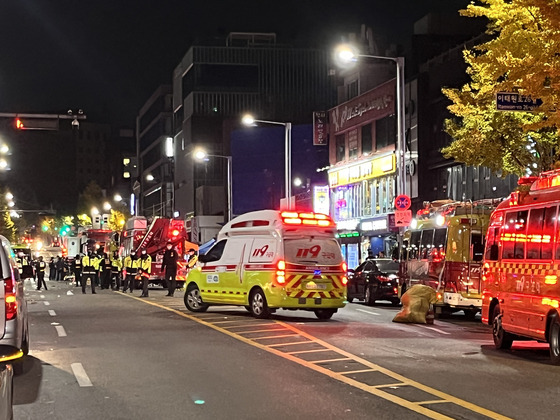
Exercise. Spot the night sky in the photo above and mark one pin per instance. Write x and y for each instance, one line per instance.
(107, 57)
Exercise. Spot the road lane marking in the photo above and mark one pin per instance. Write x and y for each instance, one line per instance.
(377, 390)
(357, 371)
(81, 375)
(52, 312)
(46, 303)
(431, 402)
(340, 359)
(435, 329)
(368, 312)
(307, 351)
(60, 330)
(259, 331)
(270, 337)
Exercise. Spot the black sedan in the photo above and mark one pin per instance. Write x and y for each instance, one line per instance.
(375, 279)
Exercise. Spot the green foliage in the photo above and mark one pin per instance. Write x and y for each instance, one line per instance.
(522, 56)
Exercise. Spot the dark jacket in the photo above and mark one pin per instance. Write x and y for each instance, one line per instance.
(170, 260)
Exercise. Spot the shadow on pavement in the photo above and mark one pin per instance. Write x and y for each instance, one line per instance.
(27, 384)
(530, 351)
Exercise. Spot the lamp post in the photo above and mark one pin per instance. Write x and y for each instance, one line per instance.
(201, 155)
(348, 54)
(248, 120)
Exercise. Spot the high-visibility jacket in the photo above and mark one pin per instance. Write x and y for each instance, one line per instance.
(146, 264)
(96, 262)
(88, 264)
(130, 265)
(116, 264)
(41, 265)
(192, 261)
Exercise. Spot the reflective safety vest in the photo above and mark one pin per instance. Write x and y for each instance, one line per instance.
(41, 266)
(87, 263)
(78, 264)
(116, 264)
(192, 261)
(130, 265)
(95, 262)
(146, 264)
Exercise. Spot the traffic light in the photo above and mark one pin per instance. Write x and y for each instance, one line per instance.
(24, 123)
(105, 219)
(64, 230)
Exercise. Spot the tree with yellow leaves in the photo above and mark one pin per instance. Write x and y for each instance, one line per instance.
(522, 56)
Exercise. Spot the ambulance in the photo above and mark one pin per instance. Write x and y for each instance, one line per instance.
(268, 260)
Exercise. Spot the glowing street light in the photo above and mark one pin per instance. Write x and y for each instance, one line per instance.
(4, 149)
(249, 120)
(149, 178)
(9, 196)
(106, 206)
(117, 198)
(94, 211)
(200, 155)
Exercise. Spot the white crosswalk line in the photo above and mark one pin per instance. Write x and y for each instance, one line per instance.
(60, 330)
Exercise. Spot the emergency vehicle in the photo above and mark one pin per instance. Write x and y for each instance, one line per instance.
(444, 250)
(138, 236)
(267, 260)
(521, 293)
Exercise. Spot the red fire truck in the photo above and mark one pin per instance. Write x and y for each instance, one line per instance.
(138, 235)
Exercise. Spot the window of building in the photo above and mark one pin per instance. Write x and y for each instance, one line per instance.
(352, 144)
(227, 77)
(385, 132)
(340, 148)
(352, 90)
(367, 139)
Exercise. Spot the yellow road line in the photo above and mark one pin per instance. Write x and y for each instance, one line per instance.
(259, 331)
(250, 325)
(374, 390)
(308, 351)
(432, 402)
(390, 385)
(331, 360)
(357, 371)
(273, 336)
(290, 344)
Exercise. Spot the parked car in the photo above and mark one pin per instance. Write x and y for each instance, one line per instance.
(14, 331)
(374, 279)
(6, 391)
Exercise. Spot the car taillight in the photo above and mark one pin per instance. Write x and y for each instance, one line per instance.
(344, 280)
(10, 298)
(280, 272)
(344, 267)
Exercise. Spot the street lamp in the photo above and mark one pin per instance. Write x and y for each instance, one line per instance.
(106, 206)
(249, 120)
(346, 54)
(200, 154)
(94, 211)
(118, 198)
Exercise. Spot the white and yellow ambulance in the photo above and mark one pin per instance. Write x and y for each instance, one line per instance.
(267, 260)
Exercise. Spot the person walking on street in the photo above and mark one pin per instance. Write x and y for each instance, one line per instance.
(52, 269)
(116, 266)
(59, 268)
(130, 270)
(105, 266)
(169, 266)
(88, 264)
(77, 270)
(145, 268)
(41, 266)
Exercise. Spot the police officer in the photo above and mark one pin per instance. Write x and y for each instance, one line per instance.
(89, 270)
(105, 266)
(41, 266)
(193, 258)
(77, 269)
(116, 266)
(130, 270)
(145, 268)
(169, 265)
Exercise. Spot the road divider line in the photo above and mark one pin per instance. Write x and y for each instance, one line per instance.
(368, 312)
(308, 351)
(358, 371)
(249, 325)
(46, 303)
(81, 375)
(431, 402)
(290, 344)
(412, 406)
(270, 337)
(397, 384)
(259, 331)
(340, 359)
(434, 329)
(52, 312)
(60, 330)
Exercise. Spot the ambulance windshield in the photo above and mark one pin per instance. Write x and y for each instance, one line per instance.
(322, 251)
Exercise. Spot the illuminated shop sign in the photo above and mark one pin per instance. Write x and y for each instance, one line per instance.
(347, 224)
(361, 171)
(321, 202)
(378, 224)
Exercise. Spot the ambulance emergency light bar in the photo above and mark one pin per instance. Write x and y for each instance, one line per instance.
(306, 218)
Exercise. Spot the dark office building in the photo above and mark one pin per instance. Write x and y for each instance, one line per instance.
(214, 85)
(155, 154)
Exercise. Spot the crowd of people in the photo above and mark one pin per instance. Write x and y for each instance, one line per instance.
(99, 269)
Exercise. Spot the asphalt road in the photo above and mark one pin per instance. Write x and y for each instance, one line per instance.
(114, 356)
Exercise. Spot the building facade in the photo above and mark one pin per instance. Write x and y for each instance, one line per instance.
(214, 85)
(155, 155)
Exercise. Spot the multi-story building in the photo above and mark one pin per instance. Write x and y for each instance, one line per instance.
(155, 150)
(214, 85)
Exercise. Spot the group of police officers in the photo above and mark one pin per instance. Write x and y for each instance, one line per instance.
(100, 269)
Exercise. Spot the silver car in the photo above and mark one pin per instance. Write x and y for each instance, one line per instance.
(6, 391)
(14, 331)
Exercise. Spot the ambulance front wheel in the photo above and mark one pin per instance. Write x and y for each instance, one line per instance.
(193, 301)
(259, 307)
(324, 313)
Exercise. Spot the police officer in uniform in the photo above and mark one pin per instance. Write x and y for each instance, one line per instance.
(169, 265)
(145, 268)
(116, 266)
(77, 270)
(89, 270)
(41, 266)
(130, 270)
(193, 258)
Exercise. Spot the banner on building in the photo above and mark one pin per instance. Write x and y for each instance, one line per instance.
(320, 128)
(321, 202)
